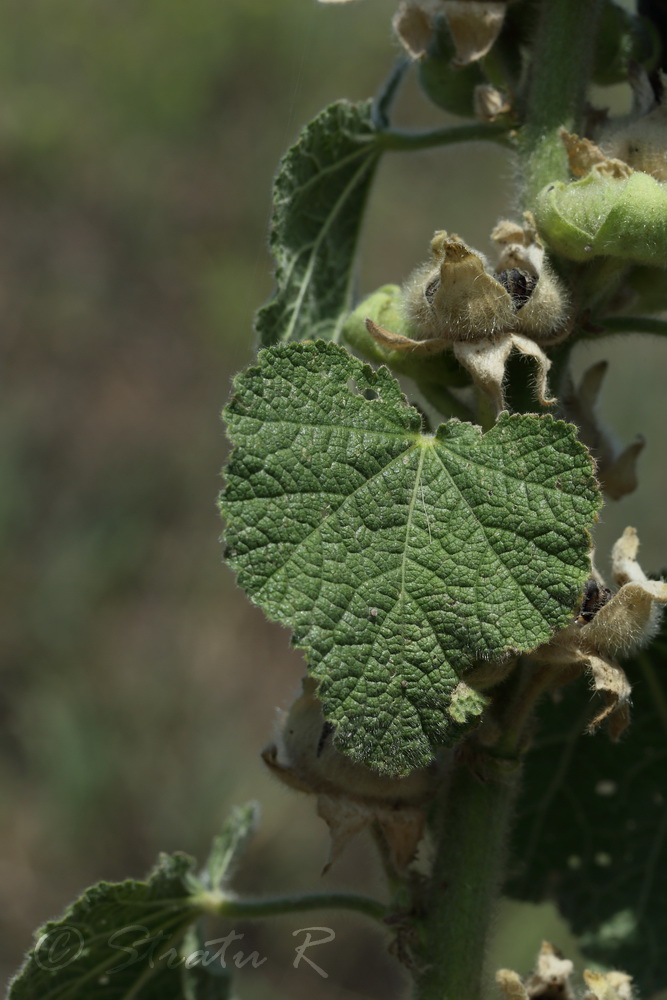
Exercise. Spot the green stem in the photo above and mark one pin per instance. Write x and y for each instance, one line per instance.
(470, 831)
(388, 92)
(406, 142)
(443, 401)
(223, 905)
(630, 324)
(561, 59)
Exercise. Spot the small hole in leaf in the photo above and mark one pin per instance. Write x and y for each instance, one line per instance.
(356, 391)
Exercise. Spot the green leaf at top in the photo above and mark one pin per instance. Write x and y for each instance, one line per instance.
(319, 197)
(399, 558)
(591, 826)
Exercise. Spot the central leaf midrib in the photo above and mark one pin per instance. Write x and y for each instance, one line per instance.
(311, 534)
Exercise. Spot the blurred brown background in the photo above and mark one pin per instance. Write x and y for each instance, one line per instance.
(137, 145)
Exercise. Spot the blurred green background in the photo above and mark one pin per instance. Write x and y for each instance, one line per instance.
(138, 141)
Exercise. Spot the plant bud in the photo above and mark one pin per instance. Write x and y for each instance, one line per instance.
(304, 756)
(613, 212)
(384, 308)
(489, 103)
(450, 87)
(350, 796)
(455, 301)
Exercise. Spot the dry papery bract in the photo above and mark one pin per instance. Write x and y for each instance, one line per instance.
(552, 977)
(350, 796)
(626, 621)
(641, 141)
(455, 301)
(616, 468)
(473, 25)
(638, 143)
(489, 103)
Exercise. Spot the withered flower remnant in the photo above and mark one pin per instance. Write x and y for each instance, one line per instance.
(350, 796)
(616, 467)
(455, 301)
(626, 621)
(474, 25)
(552, 978)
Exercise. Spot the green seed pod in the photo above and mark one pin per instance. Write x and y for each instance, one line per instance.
(451, 87)
(385, 308)
(609, 213)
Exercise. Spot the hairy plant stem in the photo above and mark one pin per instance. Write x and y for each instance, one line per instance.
(472, 817)
(444, 401)
(470, 829)
(404, 141)
(222, 905)
(561, 60)
(630, 324)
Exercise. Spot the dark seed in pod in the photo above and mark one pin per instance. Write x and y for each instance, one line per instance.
(519, 284)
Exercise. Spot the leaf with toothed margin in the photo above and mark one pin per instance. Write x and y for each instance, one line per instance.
(399, 558)
(139, 940)
(319, 198)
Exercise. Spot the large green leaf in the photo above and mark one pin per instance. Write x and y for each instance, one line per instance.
(399, 558)
(591, 828)
(319, 197)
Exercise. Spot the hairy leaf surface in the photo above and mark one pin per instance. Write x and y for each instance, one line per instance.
(591, 828)
(230, 844)
(137, 940)
(399, 558)
(319, 197)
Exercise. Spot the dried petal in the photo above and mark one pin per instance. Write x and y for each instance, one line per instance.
(511, 985)
(610, 680)
(582, 154)
(456, 298)
(612, 985)
(620, 477)
(531, 350)
(397, 342)
(551, 978)
(486, 363)
(474, 26)
(350, 796)
(344, 819)
(545, 313)
(401, 828)
(490, 103)
(304, 756)
(617, 472)
(413, 26)
(629, 618)
(624, 565)
(642, 144)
